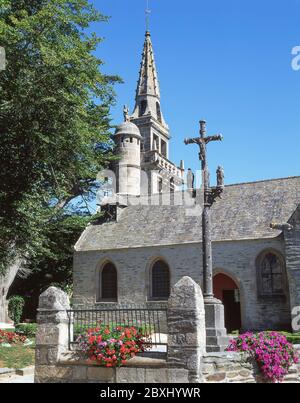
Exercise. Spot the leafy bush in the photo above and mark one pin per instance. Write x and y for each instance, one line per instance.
(80, 328)
(27, 329)
(112, 346)
(11, 337)
(293, 338)
(15, 308)
(271, 350)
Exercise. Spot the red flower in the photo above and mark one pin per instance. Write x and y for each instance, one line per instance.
(92, 339)
(112, 346)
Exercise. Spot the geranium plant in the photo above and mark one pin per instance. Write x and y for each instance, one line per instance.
(112, 345)
(11, 338)
(271, 350)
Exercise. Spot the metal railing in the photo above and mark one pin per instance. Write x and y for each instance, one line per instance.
(151, 322)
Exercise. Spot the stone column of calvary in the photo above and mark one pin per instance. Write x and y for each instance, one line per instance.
(214, 309)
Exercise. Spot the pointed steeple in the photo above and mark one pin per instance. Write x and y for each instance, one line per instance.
(148, 82)
(147, 100)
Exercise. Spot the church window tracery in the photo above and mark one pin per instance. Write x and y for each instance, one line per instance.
(271, 274)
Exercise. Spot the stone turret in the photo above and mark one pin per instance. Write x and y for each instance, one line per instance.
(128, 167)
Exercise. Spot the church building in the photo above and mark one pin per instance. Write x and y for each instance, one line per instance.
(150, 235)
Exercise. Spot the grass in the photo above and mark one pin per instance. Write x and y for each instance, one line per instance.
(16, 357)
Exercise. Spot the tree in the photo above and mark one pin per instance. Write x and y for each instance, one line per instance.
(53, 265)
(54, 122)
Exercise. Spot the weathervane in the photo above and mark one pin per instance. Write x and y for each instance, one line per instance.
(148, 12)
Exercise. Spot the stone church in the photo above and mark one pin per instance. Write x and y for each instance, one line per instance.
(150, 234)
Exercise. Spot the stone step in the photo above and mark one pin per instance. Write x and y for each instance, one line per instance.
(25, 371)
(153, 354)
(7, 326)
(216, 344)
(4, 372)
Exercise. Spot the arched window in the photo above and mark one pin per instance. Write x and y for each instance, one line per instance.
(143, 107)
(160, 281)
(108, 283)
(271, 274)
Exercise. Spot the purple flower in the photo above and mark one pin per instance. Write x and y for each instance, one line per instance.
(271, 350)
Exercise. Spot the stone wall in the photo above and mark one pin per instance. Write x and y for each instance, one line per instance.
(186, 328)
(292, 251)
(236, 368)
(186, 362)
(72, 369)
(236, 259)
(217, 368)
(186, 344)
(52, 333)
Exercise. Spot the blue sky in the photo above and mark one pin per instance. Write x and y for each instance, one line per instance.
(228, 62)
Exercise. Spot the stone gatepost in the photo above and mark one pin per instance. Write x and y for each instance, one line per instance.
(186, 328)
(52, 333)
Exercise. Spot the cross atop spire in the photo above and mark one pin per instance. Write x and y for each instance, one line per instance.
(148, 12)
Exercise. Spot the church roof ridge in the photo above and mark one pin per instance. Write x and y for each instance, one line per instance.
(244, 212)
(263, 181)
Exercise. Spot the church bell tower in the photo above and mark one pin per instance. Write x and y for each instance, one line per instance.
(162, 174)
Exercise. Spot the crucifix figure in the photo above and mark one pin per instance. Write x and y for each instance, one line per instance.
(213, 307)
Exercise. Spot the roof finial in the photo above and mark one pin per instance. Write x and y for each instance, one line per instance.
(126, 114)
(148, 12)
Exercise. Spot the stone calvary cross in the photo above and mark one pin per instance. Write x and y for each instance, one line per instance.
(214, 308)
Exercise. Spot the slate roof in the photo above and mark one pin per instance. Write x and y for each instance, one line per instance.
(245, 212)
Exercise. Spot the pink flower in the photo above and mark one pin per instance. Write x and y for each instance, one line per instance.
(271, 350)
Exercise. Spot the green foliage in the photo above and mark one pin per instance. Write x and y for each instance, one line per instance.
(52, 265)
(27, 329)
(293, 338)
(15, 308)
(54, 125)
(57, 140)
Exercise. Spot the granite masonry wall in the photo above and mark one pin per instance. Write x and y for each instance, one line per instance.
(186, 361)
(216, 368)
(292, 251)
(236, 259)
(236, 368)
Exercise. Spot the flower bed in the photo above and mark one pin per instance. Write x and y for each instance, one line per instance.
(271, 350)
(112, 346)
(11, 338)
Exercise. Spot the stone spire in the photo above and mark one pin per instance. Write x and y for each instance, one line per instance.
(148, 82)
(147, 100)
